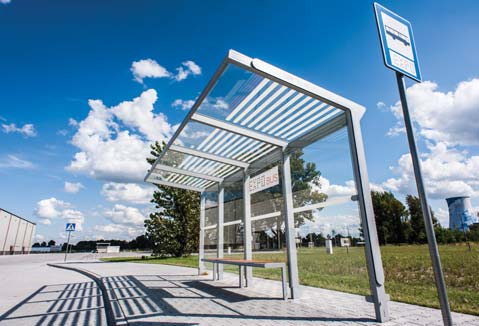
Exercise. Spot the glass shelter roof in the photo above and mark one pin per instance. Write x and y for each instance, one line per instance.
(247, 116)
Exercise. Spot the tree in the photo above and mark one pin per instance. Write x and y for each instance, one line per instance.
(418, 230)
(391, 218)
(43, 244)
(305, 185)
(51, 243)
(35, 245)
(174, 227)
(305, 179)
(141, 242)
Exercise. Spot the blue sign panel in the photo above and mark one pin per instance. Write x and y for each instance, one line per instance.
(397, 41)
(70, 227)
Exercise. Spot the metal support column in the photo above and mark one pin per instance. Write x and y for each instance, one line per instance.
(421, 189)
(368, 223)
(289, 228)
(201, 249)
(247, 237)
(220, 229)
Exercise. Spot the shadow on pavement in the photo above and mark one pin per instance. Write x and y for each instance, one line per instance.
(188, 300)
(60, 304)
(168, 300)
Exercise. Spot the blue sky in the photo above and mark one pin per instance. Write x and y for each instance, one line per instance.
(58, 55)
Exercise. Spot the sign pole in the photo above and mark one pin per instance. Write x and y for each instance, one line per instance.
(431, 237)
(68, 243)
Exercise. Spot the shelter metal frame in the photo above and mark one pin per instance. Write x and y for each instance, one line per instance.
(282, 113)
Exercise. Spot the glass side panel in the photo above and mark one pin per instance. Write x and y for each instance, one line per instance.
(211, 236)
(233, 201)
(324, 171)
(211, 208)
(269, 200)
(340, 225)
(248, 100)
(324, 191)
(233, 238)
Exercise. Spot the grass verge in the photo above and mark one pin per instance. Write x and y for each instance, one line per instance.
(408, 271)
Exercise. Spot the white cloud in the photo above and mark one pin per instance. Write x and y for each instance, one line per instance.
(220, 104)
(192, 67)
(333, 190)
(110, 228)
(5, 1)
(52, 208)
(49, 208)
(148, 68)
(447, 122)
(376, 187)
(119, 231)
(28, 130)
(381, 106)
(73, 187)
(187, 68)
(127, 192)
(445, 117)
(12, 161)
(39, 237)
(138, 114)
(62, 132)
(183, 104)
(72, 122)
(121, 214)
(442, 216)
(396, 130)
(114, 142)
(446, 171)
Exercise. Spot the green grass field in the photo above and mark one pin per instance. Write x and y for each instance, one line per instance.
(409, 275)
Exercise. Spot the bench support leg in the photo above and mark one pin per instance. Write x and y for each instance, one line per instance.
(283, 280)
(241, 276)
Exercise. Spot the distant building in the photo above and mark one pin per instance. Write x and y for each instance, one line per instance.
(345, 242)
(46, 249)
(460, 213)
(16, 234)
(106, 247)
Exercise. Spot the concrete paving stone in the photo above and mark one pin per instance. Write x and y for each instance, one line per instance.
(155, 294)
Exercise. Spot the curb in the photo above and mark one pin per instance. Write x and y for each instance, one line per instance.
(110, 317)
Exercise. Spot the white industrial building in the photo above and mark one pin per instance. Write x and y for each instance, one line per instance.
(16, 234)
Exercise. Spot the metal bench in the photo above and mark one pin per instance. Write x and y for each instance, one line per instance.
(242, 264)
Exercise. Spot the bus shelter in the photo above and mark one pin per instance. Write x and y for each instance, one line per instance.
(242, 135)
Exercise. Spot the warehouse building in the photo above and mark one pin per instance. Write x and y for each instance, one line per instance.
(16, 234)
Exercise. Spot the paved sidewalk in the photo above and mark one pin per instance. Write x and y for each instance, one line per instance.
(169, 295)
(32, 293)
(22, 275)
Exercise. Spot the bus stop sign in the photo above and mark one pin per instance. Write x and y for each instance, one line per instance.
(397, 42)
